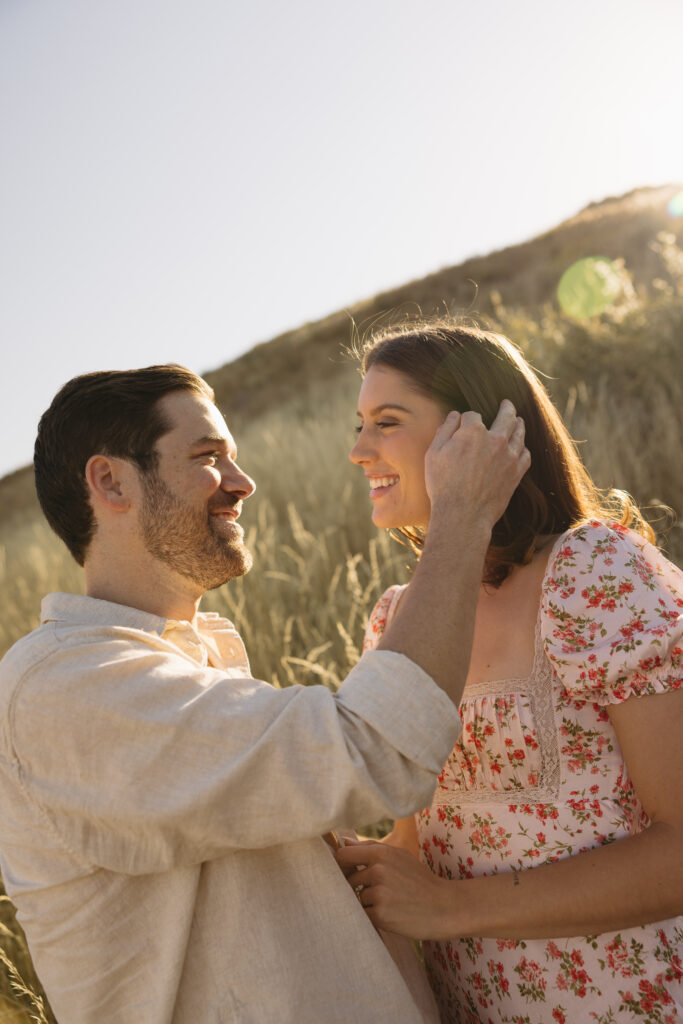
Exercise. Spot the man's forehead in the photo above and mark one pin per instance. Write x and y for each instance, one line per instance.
(192, 417)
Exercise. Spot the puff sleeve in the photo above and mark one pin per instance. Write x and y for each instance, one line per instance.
(612, 615)
(381, 616)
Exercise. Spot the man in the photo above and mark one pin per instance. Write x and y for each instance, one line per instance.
(161, 809)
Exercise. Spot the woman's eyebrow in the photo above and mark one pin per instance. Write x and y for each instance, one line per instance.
(387, 405)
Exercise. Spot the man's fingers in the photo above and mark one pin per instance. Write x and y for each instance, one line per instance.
(506, 419)
(506, 423)
(470, 417)
(516, 441)
(447, 429)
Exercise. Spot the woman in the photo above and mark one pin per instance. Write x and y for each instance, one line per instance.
(547, 874)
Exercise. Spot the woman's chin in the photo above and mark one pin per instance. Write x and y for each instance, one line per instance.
(381, 521)
(386, 521)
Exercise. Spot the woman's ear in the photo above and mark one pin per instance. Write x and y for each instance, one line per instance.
(109, 482)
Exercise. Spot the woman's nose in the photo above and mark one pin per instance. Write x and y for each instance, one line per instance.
(358, 453)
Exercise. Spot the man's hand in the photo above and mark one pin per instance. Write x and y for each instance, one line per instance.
(468, 466)
(470, 474)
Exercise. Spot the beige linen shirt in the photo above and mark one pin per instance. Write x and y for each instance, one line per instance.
(161, 813)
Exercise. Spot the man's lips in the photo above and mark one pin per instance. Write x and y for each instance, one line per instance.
(228, 515)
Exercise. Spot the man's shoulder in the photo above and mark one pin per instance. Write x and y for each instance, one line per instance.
(71, 626)
(29, 650)
(26, 655)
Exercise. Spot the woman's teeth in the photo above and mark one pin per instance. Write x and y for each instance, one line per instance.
(381, 481)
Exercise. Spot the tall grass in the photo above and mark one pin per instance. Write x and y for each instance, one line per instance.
(320, 564)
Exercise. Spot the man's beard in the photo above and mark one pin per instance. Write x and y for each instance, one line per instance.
(188, 540)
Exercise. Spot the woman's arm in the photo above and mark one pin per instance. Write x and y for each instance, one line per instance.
(629, 882)
(403, 836)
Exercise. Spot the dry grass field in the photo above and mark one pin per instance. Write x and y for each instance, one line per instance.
(319, 562)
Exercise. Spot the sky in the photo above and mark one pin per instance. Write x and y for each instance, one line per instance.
(183, 179)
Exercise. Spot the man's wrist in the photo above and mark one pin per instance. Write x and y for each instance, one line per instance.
(466, 531)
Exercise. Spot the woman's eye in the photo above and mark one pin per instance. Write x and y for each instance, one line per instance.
(381, 424)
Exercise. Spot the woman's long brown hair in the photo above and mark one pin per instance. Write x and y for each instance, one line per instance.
(466, 368)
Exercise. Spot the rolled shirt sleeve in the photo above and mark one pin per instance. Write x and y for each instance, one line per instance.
(138, 760)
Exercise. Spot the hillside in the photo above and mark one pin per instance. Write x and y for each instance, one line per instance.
(523, 275)
(293, 365)
(321, 563)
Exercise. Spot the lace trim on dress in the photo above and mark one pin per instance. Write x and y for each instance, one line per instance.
(538, 689)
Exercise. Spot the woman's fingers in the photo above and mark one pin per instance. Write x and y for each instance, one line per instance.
(350, 858)
(396, 891)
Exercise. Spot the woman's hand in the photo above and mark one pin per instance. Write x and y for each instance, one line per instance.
(398, 893)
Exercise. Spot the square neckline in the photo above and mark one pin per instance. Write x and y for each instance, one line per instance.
(539, 652)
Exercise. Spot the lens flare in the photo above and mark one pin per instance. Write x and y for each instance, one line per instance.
(675, 205)
(589, 287)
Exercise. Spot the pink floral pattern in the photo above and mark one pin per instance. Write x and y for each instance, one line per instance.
(530, 783)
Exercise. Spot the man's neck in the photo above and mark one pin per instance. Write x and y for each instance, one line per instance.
(142, 584)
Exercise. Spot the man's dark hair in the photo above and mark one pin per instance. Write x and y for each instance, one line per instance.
(112, 412)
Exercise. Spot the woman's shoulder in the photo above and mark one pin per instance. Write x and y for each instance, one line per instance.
(611, 611)
(604, 549)
(382, 614)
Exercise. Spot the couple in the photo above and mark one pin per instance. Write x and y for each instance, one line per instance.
(162, 810)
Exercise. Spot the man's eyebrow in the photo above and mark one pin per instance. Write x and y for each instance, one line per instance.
(218, 440)
(209, 439)
(387, 405)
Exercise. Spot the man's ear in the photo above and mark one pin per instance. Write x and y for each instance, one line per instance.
(110, 482)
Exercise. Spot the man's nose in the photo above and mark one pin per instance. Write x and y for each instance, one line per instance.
(236, 481)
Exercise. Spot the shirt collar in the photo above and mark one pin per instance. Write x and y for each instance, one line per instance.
(76, 609)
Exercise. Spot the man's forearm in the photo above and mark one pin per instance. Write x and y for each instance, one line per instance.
(434, 622)
(470, 475)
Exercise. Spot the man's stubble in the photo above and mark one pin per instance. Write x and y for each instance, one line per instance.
(187, 540)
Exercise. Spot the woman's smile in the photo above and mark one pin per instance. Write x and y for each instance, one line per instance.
(398, 424)
(381, 485)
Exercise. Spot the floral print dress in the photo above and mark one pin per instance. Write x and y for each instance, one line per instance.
(538, 775)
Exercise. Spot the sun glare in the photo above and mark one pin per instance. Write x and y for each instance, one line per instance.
(675, 207)
(590, 286)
